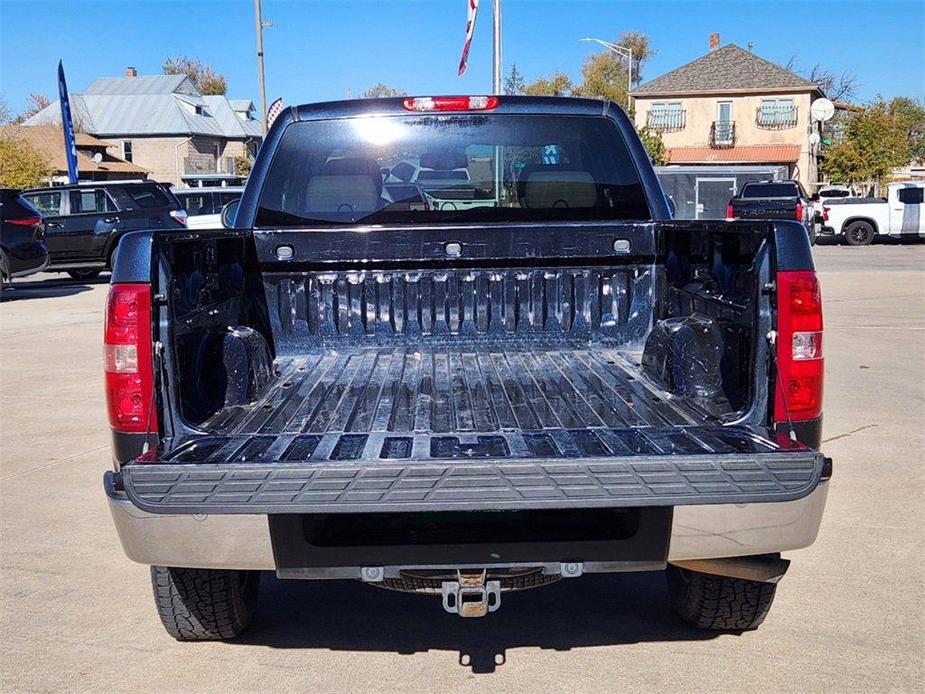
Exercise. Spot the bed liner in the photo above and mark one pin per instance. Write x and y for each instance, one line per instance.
(386, 429)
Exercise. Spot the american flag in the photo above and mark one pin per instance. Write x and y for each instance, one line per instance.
(275, 109)
(470, 28)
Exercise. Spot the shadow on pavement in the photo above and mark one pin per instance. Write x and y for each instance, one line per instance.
(47, 289)
(594, 610)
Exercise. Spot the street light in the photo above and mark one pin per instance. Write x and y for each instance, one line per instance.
(626, 53)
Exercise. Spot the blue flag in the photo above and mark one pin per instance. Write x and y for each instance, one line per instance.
(70, 143)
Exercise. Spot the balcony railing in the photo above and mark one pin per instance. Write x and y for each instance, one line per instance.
(666, 121)
(207, 164)
(776, 118)
(723, 134)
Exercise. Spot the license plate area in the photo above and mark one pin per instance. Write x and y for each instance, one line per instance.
(305, 545)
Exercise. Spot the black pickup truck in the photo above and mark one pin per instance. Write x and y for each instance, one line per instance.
(461, 402)
(775, 200)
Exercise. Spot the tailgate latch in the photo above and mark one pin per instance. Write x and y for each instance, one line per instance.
(470, 595)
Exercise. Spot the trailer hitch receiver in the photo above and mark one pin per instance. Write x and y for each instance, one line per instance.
(470, 595)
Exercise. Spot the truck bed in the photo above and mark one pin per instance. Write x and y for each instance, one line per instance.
(405, 429)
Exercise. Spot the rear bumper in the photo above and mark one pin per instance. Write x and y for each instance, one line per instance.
(242, 541)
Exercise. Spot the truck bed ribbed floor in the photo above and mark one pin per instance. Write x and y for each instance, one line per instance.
(454, 390)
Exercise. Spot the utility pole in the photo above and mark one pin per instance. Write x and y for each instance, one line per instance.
(261, 82)
(496, 49)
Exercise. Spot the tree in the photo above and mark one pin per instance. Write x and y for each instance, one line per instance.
(34, 103)
(557, 85)
(514, 83)
(4, 111)
(655, 147)
(911, 116)
(204, 77)
(380, 90)
(638, 43)
(836, 86)
(21, 164)
(876, 140)
(604, 77)
(243, 163)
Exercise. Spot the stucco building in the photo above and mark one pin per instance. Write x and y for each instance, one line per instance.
(731, 107)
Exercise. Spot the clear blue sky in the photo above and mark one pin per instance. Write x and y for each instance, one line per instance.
(318, 50)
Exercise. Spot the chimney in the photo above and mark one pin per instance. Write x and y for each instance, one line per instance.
(714, 41)
(131, 72)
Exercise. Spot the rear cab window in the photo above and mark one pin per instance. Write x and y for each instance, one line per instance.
(451, 168)
(770, 190)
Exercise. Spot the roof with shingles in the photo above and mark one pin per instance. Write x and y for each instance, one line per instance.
(726, 69)
(166, 105)
(49, 139)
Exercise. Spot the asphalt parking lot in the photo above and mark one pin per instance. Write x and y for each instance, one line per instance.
(77, 615)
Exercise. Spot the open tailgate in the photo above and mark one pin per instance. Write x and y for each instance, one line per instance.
(351, 473)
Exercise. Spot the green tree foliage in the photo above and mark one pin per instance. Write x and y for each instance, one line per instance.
(876, 140)
(655, 147)
(243, 163)
(380, 90)
(911, 117)
(21, 164)
(207, 79)
(558, 84)
(604, 77)
(514, 83)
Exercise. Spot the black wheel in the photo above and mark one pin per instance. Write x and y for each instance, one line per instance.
(84, 275)
(718, 602)
(860, 233)
(812, 236)
(204, 604)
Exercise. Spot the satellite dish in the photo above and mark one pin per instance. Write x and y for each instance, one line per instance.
(815, 139)
(822, 110)
(97, 158)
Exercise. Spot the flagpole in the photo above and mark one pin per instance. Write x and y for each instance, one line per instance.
(261, 83)
(496, 52)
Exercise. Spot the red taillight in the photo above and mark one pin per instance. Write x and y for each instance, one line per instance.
(730, 213)
(798, 395)
(798, 212)
(25, 221)
(825, 214)
(129, 364)
(179, 216)
(450, 103)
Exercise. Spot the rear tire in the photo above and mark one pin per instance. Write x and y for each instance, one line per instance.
(84, 275)
(860, 233)
(204, 604)
(719, 602)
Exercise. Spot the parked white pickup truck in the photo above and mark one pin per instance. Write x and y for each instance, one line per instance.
(860, 220)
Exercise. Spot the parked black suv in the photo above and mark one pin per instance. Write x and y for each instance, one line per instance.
(85, 221)
(22, 233)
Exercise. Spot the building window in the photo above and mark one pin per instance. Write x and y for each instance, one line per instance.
(776, 114)
(127, 150)
(666, 116)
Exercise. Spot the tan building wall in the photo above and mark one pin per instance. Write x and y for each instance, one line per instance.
(701, 111)
(169, 158)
